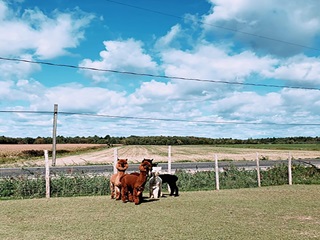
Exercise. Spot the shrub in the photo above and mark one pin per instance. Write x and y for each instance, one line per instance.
(83, 184)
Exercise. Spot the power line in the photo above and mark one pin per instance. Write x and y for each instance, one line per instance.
(154, 75)
(218, 26)
(161, 119)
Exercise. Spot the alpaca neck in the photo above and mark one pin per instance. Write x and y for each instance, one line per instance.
(142, 177)
(121, 173)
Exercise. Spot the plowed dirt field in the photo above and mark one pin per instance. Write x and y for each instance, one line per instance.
(159, 153)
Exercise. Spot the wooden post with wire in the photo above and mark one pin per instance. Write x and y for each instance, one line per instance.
(47, 173)
(289, 169)
(216, 170)
(54, 134)
(169, 159)
(115, 159)
(258, 170)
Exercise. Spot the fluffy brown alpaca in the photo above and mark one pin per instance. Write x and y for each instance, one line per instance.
(115, 183)
(132, 185)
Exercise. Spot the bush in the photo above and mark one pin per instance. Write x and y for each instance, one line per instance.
(84, 185)
(61, 186)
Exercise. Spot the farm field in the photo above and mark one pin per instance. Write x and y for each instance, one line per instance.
(84, 154)
(280, 212)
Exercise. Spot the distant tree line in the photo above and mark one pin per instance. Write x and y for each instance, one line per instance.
(157, 140)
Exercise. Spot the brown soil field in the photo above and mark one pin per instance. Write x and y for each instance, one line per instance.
(16, 148)
(136, 153)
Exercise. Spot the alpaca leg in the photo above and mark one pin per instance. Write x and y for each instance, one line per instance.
(118, 192)
(130, 195)
(156, 192)
(160, 190)
(124, 192)
(112, 190)
(136, 197)
(150, 189)
(177, 191)
(169, 189)
(150, 192)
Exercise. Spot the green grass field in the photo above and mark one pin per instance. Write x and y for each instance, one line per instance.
(281, 212)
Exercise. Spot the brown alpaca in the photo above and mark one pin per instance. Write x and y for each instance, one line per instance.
(133, 185)
(115, 183)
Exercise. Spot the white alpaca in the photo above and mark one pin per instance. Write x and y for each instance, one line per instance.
(155, 186)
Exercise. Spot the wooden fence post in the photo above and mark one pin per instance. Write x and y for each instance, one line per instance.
(169, 159)
(289, 169)
(258, 170)
(47, 173)
(216, 169)
(115, 159)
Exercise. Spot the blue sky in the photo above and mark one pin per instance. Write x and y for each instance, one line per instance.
(252, 43)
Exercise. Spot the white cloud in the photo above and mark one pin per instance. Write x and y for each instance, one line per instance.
(211, 62)
(165, 41)
(77, 98)
(46, 37)
(15, 70)
(248, 106)
(269, 18)
(126, 55)
(299, 69)
(5, 89)
(155, 90)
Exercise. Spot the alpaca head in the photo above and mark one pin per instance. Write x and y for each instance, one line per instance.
(150, 161)
(146, 166)
(122, 164)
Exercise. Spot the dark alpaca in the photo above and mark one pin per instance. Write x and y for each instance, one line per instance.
(171, 180)
(132, 186)
(115, 184)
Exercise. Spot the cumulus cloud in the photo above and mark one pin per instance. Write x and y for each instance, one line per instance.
(166, 40)
(298, 70)
(214, 63)
(11, 70)
(122, 55)
(42, 35)
(299, 22)
(77, 98)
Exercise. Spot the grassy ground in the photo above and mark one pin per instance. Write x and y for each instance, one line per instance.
(282, 212)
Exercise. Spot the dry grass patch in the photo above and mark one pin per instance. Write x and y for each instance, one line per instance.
(25, 153)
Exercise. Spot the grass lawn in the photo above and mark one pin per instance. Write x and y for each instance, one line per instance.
(281, 212)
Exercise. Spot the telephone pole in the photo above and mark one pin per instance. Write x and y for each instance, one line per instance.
(54, 134)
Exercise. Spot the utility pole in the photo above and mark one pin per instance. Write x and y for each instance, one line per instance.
(54, 134)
